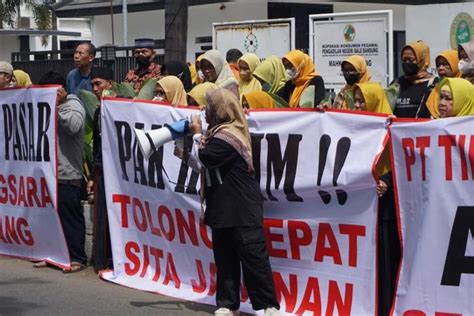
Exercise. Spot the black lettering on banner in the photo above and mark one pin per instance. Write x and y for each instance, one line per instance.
(124, 140)
(191, 188)
(44, 116)
(153, 177)
(256, 153)
(342, 150)
(288, 162)
(138, 160)
(457, 262)
(19, 131)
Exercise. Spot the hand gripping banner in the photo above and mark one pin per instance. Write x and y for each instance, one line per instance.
(29, 221)
(434, 179)
(315, 173)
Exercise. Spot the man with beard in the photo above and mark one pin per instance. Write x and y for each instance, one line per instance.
(79, 77)
(146, 67)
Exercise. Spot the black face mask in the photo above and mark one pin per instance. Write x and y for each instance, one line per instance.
(142, 61)
(410, 69)
(352, 78)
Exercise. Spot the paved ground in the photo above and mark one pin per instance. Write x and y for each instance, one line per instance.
(28, 291)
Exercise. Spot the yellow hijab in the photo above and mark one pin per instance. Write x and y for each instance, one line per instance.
(305, 72)
(376, 102)
(233, 128)
(272, 71)
(193, 72)
(462, 92)
(259, 100)
(198, 93)
(375, 99)
(252, 61)
(451, 56)
(22, 78)
(174, 90)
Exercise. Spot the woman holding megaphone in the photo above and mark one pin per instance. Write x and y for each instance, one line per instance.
(234, 204)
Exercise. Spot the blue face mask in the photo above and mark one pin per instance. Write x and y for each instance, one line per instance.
(266, 87)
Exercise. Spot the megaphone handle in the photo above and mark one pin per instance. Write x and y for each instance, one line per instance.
(152, 145)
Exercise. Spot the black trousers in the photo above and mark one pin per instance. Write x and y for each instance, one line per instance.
(101, 249)
(244, 247)
(73, 221)
(389, 251)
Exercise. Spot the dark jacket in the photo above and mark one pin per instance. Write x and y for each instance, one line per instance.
(234, 198)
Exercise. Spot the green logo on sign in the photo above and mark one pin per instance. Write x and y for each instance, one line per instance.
(462, 29)
(251, 43)
(349, 33)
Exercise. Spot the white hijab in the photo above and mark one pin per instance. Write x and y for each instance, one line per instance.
(223, 72)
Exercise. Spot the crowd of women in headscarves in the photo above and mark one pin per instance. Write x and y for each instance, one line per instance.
(292, 81)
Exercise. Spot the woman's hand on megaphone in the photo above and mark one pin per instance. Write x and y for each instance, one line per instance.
(196, 125)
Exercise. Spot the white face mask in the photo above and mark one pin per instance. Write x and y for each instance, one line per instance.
(291, 73)
(466, 66)
(158, 98)
(200, 74)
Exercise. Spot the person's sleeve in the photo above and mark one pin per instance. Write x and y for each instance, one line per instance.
(285, 92)
(217, 153)
(71, 116)
(96, 144)
(388, 179)
(320, 91)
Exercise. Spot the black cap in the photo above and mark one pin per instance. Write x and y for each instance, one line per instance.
(102, 73)
(144, 43)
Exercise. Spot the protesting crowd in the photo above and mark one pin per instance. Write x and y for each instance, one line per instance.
(226, 86)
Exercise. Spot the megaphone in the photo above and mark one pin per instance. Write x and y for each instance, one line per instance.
(151, 141)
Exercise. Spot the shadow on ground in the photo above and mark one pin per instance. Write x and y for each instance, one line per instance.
(14, 306)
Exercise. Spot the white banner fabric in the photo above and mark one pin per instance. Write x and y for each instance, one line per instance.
(315, 171)
(29, 221)
(434, 173)
(335, 40)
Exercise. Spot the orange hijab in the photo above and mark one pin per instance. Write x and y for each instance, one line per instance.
(259, 100)
(422, 54)
(305, 73)
(432, 103)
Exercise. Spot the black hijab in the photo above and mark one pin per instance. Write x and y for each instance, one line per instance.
(179, 69)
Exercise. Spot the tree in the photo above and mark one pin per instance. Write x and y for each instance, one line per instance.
(10, 14)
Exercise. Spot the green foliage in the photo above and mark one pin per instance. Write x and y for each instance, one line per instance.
(123, 90)
(147, 91)
(9, 10)
(90, 102)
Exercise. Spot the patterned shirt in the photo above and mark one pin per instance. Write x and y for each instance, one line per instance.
(137, 79)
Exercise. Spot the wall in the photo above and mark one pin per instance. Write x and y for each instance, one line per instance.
(9, 44)
(151, 24)
(432, 23)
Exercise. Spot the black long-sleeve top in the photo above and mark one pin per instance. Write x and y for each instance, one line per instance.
(319, 90)
(97, 142)
(233, 199)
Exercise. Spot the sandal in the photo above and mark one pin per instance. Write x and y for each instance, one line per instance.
(40, 264)
(75, 267)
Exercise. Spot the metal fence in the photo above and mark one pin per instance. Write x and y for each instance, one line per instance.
(38, 63)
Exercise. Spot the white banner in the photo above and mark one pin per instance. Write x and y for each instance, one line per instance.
(434, 164)
(315, 171)
(29, 222)
(336, 40)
